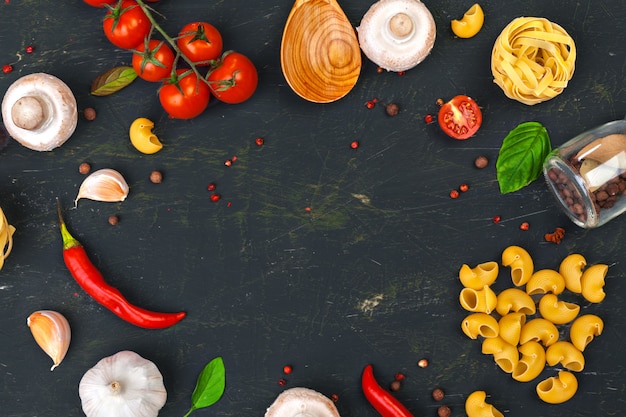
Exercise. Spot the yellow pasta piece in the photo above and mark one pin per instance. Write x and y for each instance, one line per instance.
(6, 238)
(558, 312)
(566, 354)
(510, 327)
(592, 283)
(571, 269)
(479, 276)
(470, 24)
(557, 390)
(533, 59)
(476, 406)
(584, 329)
(539, 330)
(516, 300)
(531, 362)
(478, 301)
(480, 324)
(545, 281)
(520, 262)
(505, 354)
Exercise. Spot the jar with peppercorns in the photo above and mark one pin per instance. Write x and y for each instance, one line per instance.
(587, 174)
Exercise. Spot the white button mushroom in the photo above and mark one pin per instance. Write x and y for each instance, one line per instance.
(397, 34)
(39, 111)
(302, 402)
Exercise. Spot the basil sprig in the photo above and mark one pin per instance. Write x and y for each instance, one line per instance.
(210, 386)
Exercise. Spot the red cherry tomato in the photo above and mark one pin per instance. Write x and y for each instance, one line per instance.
(184, 97)
(201, 42)
(234, 79)
(460, 118)
(99, 3)
(126, 25)
(155, 63)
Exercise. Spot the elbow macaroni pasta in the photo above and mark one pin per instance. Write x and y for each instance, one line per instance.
(571, 269)
(558, 312)
(480, 324)
(510, 327)
(476, 406)
(514, 300)
(539, 330)
(566, 354)
(470, 24)
(531, 362)
(584, 329)
(592, 283)
(478, 301)
(6, 238)
(505, 354)
(545, 281)
(557, 390)
(521, 264)
(479, 276)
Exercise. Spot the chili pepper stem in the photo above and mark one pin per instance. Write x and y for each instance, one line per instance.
(68, 240)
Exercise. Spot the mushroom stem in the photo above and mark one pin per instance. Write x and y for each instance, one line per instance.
(29, 113)
(401, 25)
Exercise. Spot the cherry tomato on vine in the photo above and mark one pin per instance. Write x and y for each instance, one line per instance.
(126, 25)
(460, 118)
(155, 62)
(201, 42)
(184, 96)
(99, 3)
(234, 79)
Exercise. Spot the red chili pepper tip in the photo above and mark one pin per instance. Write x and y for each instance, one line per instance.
(287, 369)
(454, 194)
(7, 68)
(259, 141)
(496, 219)
(355, 144)
(382, 400)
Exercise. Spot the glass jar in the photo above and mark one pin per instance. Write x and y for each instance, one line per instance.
(587, 174)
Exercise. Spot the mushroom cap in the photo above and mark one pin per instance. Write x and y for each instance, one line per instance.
(302, 402)
(39, 111)
(397, 34)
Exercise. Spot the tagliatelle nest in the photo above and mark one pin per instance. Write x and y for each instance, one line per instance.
(533, 60)
(6, 238)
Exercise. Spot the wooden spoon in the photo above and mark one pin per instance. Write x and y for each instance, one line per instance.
(319, 53)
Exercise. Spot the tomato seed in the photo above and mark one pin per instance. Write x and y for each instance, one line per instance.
(287, 369)
(355, 144)
(211, 186)
(215, 197)
(496, 219)
(428, 118)
(7, 68)
(454, 194)
(463, 187)
(259, 141)
(524, 226)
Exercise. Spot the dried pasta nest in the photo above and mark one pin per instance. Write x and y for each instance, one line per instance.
(533, 60)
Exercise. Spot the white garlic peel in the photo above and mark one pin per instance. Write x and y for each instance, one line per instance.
(302, 402)
(105, 184)
(39, 111)
(51, 331)
(122, 385)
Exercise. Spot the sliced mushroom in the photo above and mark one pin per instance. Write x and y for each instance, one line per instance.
(39, 111)
(397, 34)
(301, 402)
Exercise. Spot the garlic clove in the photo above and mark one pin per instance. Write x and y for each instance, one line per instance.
(106, 185)
(52, 333)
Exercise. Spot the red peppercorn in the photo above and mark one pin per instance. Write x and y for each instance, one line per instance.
(334, 397)
(7, 68)
(439, 102)
(380, 70)
(395, 386)
(454, 194)
(211, 186)
(401, 73)
(282, 382)
(234, 158)
(496, 219)
(422, 363)
(370, 104)
(228, 162)
(524, 226)
(215, 197)
(354, 144)
(29, 49)
(259, 141)
(287, 369)
(463, 188)
(399, 376)
(428, 118)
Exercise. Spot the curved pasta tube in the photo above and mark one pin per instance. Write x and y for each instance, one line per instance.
(516, 300)
(478, 301)
(510, 327)
(539, 330)
(6, 238)
(479, 276)
(571, 269)
(505, 354)
(584, 329)
(531, 362)
(557, 390)
(480, 324)
(592, 283)
(566, 354)
(545, 281)
(521, 264)
(558, 312)
(475, 406)
(470, 24)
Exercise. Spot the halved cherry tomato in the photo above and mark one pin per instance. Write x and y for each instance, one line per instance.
(126, 25)
(99, 3)
(201, 42)
(234, 79)
(184, 96)
(460, 118)
(153, 63)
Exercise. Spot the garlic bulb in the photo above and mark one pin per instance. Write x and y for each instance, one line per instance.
(121, 385)
(51, 332)
(103, 185)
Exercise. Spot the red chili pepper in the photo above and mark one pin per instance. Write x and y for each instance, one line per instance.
(382, 400)
(92, 281)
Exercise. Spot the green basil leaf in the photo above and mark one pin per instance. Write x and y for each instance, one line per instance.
(113, 80)
(521, 156)
(210, 386)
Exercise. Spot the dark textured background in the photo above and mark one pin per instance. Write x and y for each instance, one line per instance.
(265, 282)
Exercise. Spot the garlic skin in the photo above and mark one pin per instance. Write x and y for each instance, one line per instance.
(106, 185)
(122, 385)
(52, 333)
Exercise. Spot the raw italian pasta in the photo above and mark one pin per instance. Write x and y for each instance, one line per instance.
(480, 324)
(533, 59)
(531, 362)
(566, 354)
(545, 281)
(571, 269)
(556, 390)
(584, 329)
(592, 283)
(521, 264)
(505, 354)
(557, 311)
(479, 276)
(6, 238)
(515, 300)
(478, 301)
(510, 327)
(476, 406)
(539, 330)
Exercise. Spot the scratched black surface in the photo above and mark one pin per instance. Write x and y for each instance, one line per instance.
(368, 275)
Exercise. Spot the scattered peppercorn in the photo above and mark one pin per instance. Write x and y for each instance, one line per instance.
(463, 188)
(259, 141)
(481, 162)
(422, 363)
(401, 73)
(496, 219)
(287, 369)
(395, 386)
(334, 397)
(228, 162)
(370, 104)
(380, 70)
(438, 394)
(399, 376)
(211, 186)
(454, 194)
(282, 382)
(113, 220)
(215, 197)
(29, 49)
(428, 118)
(84, 168)
(392, 109)
(89, 113)
(156, 177)
(524, 226)
(354, 144)
(439, 102)
(7, 68)
(444, 411)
